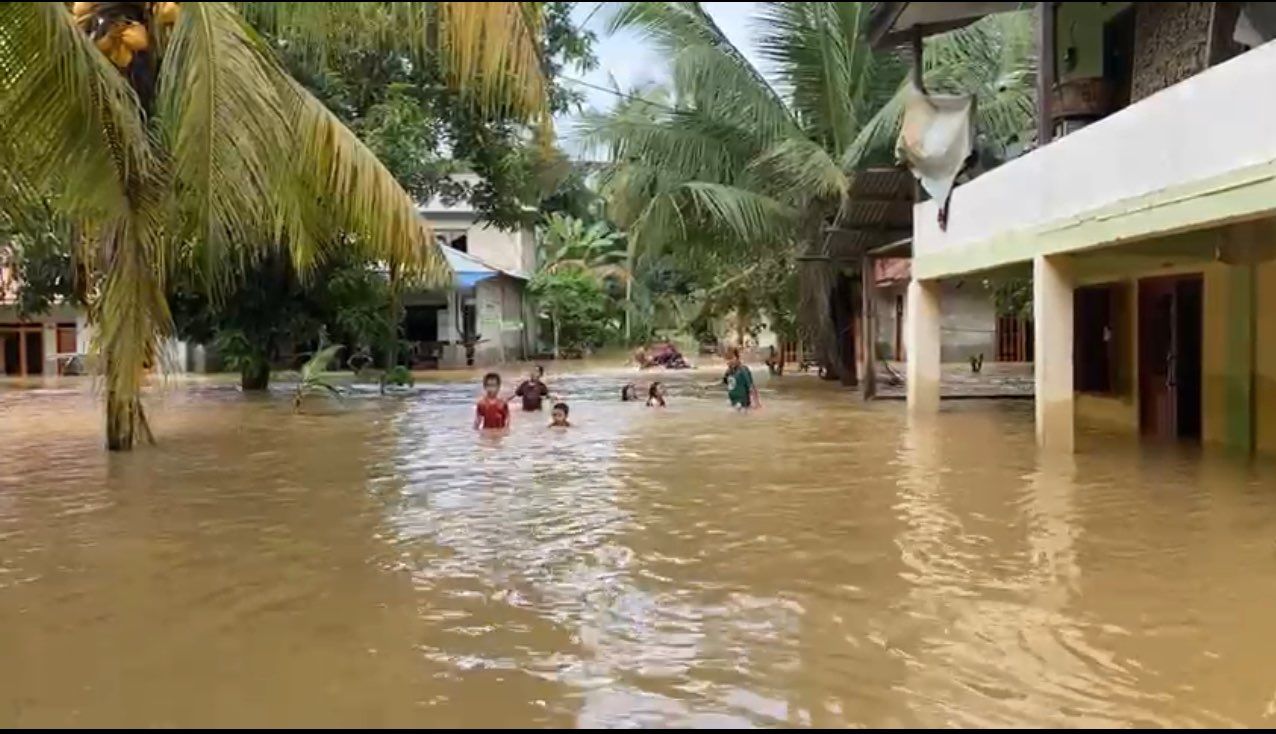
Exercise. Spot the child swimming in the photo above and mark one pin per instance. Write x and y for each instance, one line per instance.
(559, 416)
(629, 393)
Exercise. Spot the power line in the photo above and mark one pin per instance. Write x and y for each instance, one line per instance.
(617, 93)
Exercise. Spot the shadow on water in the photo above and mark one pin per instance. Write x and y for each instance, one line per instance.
(819, 563)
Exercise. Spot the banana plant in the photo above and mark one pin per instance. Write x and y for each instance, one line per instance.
(312, 379)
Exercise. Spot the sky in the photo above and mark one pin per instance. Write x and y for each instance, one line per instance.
(627, 57)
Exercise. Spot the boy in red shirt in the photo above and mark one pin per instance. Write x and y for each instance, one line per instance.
(491, 411)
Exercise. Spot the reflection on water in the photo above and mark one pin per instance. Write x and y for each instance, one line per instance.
(820, 563)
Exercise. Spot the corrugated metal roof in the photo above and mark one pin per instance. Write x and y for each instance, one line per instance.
(879, 210)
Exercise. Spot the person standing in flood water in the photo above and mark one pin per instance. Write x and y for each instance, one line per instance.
(491, 412)
(533, 390)
(741, 390)
(656, 395)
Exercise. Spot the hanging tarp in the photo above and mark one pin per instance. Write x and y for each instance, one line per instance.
(468, 270)
(935, 141)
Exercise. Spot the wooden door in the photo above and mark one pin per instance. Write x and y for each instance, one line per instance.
(1170, 340)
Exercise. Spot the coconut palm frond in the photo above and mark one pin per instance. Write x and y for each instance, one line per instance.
(360, 195)
(749, 216)
(71, 125)
(691, 143)
(709, 71)
(221, 119)
(489, 49)
(798, 168)
(824, 61)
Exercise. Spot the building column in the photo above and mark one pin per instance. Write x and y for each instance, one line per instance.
(49, 337)
(922, 336)
(1052, 359)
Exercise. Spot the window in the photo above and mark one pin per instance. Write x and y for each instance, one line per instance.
(455, 239)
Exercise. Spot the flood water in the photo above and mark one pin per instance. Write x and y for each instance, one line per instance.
(820, 563)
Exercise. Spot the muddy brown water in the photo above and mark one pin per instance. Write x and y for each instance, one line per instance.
(819, 563)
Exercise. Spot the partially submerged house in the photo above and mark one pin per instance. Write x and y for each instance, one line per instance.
(485, 318)
(1146, 215)
(969, 328)
(870, 252)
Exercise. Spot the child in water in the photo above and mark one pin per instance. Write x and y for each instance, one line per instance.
(656, 395)
(491, 412)
(741, 390)
(532, 390)
(628, 393)
(559, 416)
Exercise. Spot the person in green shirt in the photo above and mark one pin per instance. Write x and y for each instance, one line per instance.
(741, 390)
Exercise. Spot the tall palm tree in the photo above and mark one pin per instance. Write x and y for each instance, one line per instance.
(752, 161)
(169, 134)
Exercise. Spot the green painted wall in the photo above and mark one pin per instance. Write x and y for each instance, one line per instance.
(1238, 389)
(1080, 26)
(1265, 359)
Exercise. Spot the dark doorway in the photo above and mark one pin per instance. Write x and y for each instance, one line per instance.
(1190, 296)
(1092, 359)
(843, 312)
(35, 352)
(1170, 350)
(421, 323)
(12, 353)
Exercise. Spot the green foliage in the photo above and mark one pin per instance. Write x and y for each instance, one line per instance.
(738, 172)
(311, 379)
(574, 304)
(398, 376)
(272, 311)
(425, 131)
(1011, 296)
(37, 265)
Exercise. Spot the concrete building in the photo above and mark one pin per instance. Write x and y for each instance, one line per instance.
(969, 317)
(487, 310)
(58, 342)
(39, 345)
(1146, 215)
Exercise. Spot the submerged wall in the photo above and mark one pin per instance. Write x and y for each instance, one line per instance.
(1238, 369)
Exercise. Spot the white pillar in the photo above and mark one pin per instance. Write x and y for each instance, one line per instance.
(49, 336)
(922, 336)
(1052, 366)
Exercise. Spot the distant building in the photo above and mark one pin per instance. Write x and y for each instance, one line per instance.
(30, 346)
(485, 318)
(487, 307)
(970, 323)
(56, 342)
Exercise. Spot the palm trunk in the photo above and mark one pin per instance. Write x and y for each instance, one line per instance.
(255, 377)
(629, 302)
(557, 355)
(392, 349)
(121, 423)
(125, 419)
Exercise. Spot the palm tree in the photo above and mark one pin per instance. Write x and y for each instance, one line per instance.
(171, 136)
(753, 163)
